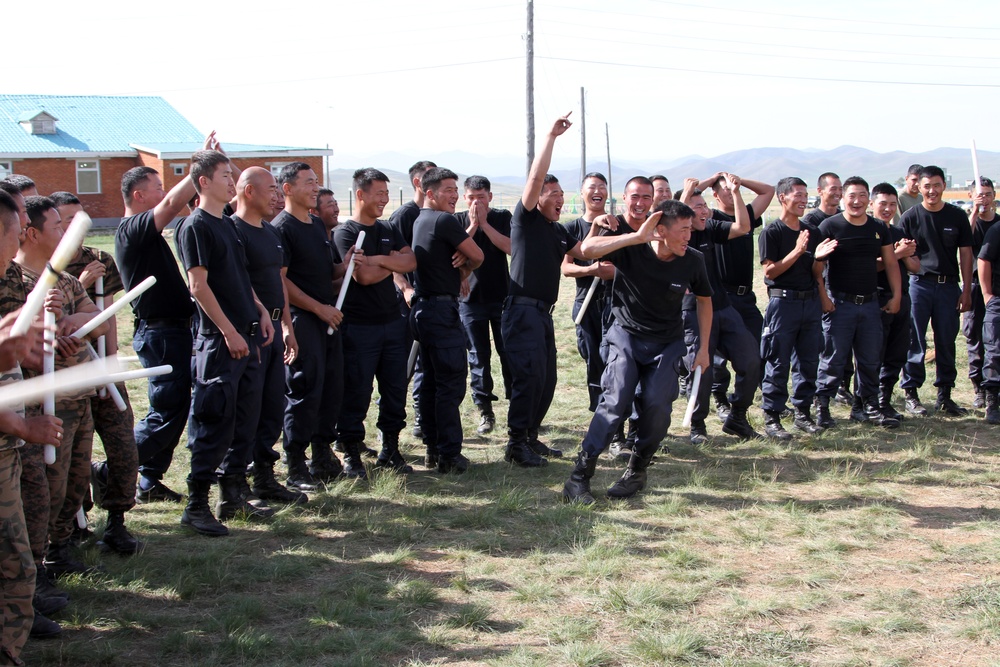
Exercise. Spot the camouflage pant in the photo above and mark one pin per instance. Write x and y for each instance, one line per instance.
(53, 494)
(116, 430)
(17, 570)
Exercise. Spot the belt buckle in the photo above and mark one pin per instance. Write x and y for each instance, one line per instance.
(741, 290)
(552, 309)
(859, 299)
(276, 314)
(941, 279)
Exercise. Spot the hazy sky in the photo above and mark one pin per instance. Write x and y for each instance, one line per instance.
(670, 78)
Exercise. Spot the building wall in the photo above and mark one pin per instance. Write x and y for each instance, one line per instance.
(55, 174)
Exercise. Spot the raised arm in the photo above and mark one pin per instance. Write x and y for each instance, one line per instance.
(764, 192)
(743, 223)
(179, 195)
(594, 247)
(540, 166)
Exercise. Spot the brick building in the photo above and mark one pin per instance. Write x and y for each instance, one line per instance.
(83, 144)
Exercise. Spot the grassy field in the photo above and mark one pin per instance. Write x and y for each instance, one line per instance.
(856, 547)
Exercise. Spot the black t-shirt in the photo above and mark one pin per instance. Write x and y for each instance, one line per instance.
(978, 234)
(579, 229)
(141, 252)
(735, 258)
(991, 253)
(436, 236)
(816, 216)
(265, 259)
(853, 266)
(705, 241)
(776, 241)
(939, 235)
(375, 303)
(895, 235)
(537, 247)
(488, 283)
(213, 243)
(308, 256)
(647, 292)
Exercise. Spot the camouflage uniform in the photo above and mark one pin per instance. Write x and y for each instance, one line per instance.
(53, 494)
(116, 429)
(17, 570)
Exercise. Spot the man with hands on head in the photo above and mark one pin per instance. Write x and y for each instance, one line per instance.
(654, 270)
(982, 215)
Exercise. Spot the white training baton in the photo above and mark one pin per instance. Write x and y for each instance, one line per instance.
(112, 310)
(692, 396)
(586, 300)
(347, 279)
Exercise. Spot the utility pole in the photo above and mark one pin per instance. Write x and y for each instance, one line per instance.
(607, 139)
(583, 137)
(530, 57)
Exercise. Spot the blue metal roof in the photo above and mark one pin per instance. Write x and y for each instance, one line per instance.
(92, 123)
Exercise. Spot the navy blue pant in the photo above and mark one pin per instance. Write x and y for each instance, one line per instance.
(374, 352)
(438, 328)
(479, 319)
(272, 401)
(790, 343)
(589, 334)
(632, 361)
(314, 384)
(730, 338)
(991, 345)
(972, 327)
(856, 328)
(225, 405)
(895, 343)
(157, 434)
(746, 306)
(937, 304)
(530, 341)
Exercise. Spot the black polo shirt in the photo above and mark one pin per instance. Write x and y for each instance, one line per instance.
(991, 253)
(705, 241)
(776, 241)
(488, 283)
(265, 259)
(141, 251)
(978, 234)
(735, 257)
(308, 256)
(939, 235)
(853, 266)
(537, 248)
(375, 303)
(579, 229)
(436, 236)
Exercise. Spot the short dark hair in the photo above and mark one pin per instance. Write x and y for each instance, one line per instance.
(418, 169)
(204, 163)
(673, 211)
(857, 180)
(290, 172)
(595, 174)
(914, 169)
(787, 184)
(986, 183)
(478, 183)
(323, 192)
(20, 181)
(884, 189)
(638, 179)
(63, 198)
(658, 177)
(434, 176)
(363, 178)
(824, 177)
(549, 178)
(133, 178)
(8, 212)
(36, 207)
(931, 171)
(9, 188)
(694, 193)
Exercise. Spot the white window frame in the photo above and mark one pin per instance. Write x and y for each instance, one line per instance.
(276, 167)
(96, 169)
(178, 168)
(6, 168)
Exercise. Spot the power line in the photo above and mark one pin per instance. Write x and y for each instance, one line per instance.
(777, 76)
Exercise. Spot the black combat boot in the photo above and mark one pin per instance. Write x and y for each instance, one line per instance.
(804, 421)
(325, 467)
(913, 404)
(487, 420)
(634, 479)
(266, 487)
(233, 492)
(823, 417)
(948, 406)
(299, 476)
(197, 514)
(722, 405)
(117, 538)
(518, 451)
(885, 404)
(577, 487)
(540, 448)
(773, 428)
(992, 407)
(738, 425)
(979, 402)
(874, 415)
(390, 458)
(354, 467)
(59, 561)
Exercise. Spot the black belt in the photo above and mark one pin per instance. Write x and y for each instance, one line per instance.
(856, 299)
(739, 290)
(528, 301)
(164, 323)
(937, 278)
(436, 297)
(791, 294)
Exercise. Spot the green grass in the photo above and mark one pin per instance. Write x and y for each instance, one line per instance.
(857, 547)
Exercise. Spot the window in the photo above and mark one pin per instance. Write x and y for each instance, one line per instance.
(6, 169)
(88, 177)
(178, 169)
(276, 167)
